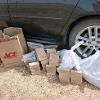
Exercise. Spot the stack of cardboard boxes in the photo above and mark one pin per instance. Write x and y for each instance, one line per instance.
(51, 67)
(13, 46)
(70, 76)
(48, 61)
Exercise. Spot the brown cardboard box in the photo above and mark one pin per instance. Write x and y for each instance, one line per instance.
(54, 59)
(2, 36)
(40, 53)
(51, 69)
(64, 75)
(6, 38)
(51, 72)
(76, 77)
(35, 67)
(44, 63)
(51, 50)
(51, 77)
(13, 32)
(11, 52)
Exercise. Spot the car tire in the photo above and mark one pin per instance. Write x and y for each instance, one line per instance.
(77, 32)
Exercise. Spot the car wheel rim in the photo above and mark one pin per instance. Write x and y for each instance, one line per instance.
(91, 37)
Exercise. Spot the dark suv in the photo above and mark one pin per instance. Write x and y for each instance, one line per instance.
(62, 22)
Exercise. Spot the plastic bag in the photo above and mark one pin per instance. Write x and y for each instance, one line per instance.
(29, 58)
(66, 60)
(90, 68)
(33, 45)
(67, 57)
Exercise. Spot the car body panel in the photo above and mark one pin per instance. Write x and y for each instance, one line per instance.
(48, 20)
(47, 16)
(84, 10)
(4, 16)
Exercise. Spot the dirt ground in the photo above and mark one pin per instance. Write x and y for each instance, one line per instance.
(16, 85)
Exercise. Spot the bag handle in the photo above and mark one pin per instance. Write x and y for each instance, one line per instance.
(73, 54)
(77, 45)
(77, 64)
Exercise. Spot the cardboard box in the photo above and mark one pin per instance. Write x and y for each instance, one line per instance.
(34, 67)
(51, 77)
(44, 63)
(64, 75)
(76, 77)
(51, 69)
(4, 37)
(54, 59)
(11, 52)
(17, 32)
(51, 50)
(40, 53)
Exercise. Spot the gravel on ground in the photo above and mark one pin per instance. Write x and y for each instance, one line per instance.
(15, 84)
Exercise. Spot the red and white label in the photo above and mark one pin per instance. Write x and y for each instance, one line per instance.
(9, 55)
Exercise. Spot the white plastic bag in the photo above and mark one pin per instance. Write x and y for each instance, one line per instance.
(29, 58)
(67, 57)
(66, 60)
(90, 68)
(33, 45)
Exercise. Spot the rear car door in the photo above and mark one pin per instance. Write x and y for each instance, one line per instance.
(4, 16)
(46, 16)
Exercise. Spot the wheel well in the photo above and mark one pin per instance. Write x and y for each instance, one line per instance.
(78, 21)
(82, 19)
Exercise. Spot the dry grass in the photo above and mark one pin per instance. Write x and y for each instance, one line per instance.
(16, 86)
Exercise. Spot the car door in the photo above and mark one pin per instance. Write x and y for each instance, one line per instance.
(47, 16)
(3, 13)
